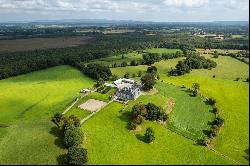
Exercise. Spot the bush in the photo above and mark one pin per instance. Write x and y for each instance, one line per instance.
(218, 121)
(77, 156)
(149, 135)
(73, 136)
(211, 101)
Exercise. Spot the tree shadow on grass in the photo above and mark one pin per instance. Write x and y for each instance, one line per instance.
(140, 137)
(247, 154)
(125, 116)
(59, 137)
(62, 159)
(189, 92)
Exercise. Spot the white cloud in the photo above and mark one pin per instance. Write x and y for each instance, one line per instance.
(164, 9)
(186, 3)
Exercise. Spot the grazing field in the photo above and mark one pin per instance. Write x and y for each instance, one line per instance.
(232, 100)
(27, 103)
(162, 50)
(240, 37)
(41, 43)
(119, 59)
(107, 133)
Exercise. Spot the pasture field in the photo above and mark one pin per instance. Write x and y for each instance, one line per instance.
(240, 37)
(119, 59)
(110, 142)
(27, 103)
(162, 50)
(232, 100)
(42, 43)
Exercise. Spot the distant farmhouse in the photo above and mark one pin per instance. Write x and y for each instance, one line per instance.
(126, 89)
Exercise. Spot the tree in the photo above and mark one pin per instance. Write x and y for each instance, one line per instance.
(211, 101)
(100, 82)
(127, 75)
(97, 71)
(134, 63)
(57, 118)
(69, 121)
(196, 89)
(139, 73)
(77, 156)
(114, 77)
(148, 81)
(149, 135)
(124, 64)
(152, 70)
(73, 136)
(150, 58)
(216, 54)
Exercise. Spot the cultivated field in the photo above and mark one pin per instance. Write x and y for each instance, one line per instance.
(27, 103)
(41, 43)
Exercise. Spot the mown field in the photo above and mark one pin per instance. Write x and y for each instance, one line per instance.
(26, 129)
(110, 142)
(41, 43)
(232, 99)
(27, 103)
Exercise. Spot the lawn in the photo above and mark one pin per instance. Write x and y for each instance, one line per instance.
(27, 103)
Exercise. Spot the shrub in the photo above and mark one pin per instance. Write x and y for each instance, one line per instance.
(196, 89)
(218, 121)
(211, 101)
(149, 135)
(77, 156)
(73, 136)
(139, 73)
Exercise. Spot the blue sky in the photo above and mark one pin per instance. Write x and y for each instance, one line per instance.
(142, 10)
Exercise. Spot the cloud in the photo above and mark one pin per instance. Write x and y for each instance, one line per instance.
(129, 9)
(186, 3)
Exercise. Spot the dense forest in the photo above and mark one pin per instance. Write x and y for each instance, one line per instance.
(12, 64)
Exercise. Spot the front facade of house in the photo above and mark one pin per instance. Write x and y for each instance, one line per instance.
(129, 93)
(127, 89)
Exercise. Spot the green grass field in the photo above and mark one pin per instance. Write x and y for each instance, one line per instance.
(162, 50)
(118, 59)
(27, 103)
(110, 142)
(232, 100)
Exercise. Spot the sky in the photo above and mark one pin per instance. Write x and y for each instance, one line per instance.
(140, 10)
